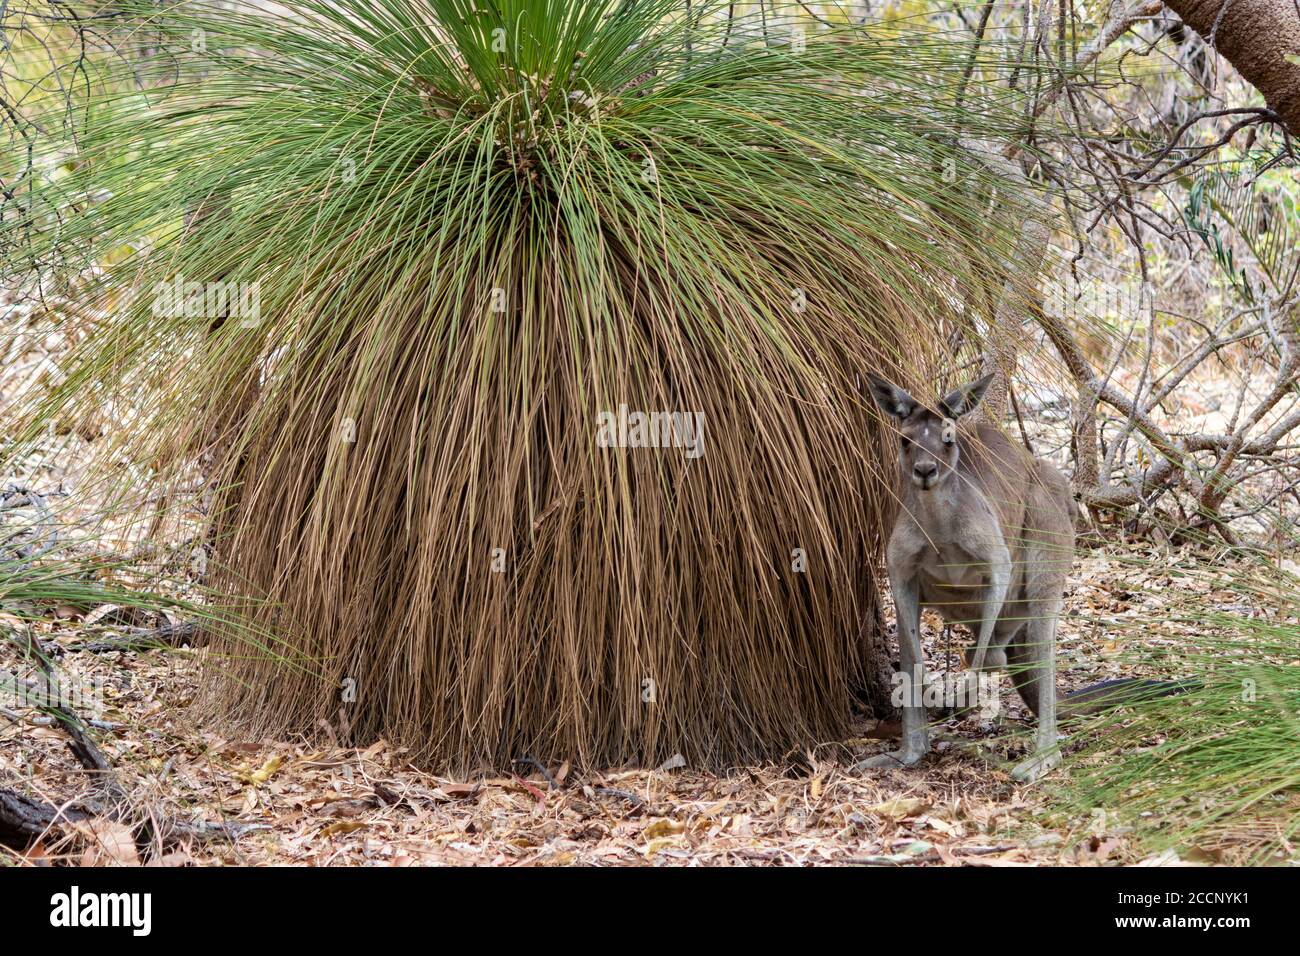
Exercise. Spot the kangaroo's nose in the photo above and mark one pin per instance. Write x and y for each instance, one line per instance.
(925, 469)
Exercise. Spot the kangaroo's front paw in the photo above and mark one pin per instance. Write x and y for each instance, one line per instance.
(893, 759)
(1029, 771)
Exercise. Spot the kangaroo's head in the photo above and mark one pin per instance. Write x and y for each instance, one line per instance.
(928, 451)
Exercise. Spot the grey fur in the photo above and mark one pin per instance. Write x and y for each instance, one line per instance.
(984, 536)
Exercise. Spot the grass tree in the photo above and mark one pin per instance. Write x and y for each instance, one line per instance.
(402, 274)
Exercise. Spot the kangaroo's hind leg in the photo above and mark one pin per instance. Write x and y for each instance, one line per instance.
(1048, 553)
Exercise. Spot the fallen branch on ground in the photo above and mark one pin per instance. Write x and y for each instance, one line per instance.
(25, 819)
(143, 639)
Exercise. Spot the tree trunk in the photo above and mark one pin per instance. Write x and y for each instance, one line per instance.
(1261, 38)
(1087, 455)
(1021, 297)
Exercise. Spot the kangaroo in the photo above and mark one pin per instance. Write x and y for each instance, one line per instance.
(984, 536)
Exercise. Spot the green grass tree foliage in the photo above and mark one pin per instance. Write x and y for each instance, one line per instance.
(451, 234)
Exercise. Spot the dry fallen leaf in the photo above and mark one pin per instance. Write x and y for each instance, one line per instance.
(342, 826)
(943, 826)
(108, 843)
(654, 846)
(264, 772)
(675, 762)
(458, 790)
(899, 808)
(662, 827)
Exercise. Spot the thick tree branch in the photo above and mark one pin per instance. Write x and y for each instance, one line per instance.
(1261, 38)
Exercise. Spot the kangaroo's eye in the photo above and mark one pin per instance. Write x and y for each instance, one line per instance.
(904, 441)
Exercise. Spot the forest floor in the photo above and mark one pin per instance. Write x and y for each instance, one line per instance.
(293, 802)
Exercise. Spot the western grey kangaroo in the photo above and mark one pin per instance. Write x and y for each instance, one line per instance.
(984, 536)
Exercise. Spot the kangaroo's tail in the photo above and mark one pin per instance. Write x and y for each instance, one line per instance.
(1113, 693)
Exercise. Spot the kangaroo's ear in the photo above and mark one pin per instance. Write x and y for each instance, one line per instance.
(964, 399)
(892, 399)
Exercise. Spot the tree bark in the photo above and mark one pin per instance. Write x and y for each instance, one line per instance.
(1021, 297)
(1087, 453)
(1261, 38)
(24, 819)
